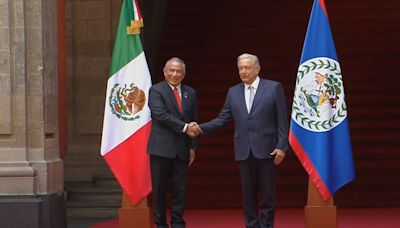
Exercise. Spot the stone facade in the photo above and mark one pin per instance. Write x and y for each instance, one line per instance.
(91, 26)
(31, 171)
(29, 154)
(90, 29)
(28, 96)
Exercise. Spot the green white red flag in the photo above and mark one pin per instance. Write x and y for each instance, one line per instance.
(127, 120)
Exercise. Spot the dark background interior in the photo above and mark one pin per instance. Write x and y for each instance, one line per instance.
(209, 35)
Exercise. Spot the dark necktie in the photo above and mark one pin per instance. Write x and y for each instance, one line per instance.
(178, 99)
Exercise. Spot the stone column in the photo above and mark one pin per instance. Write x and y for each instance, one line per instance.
(31, 171)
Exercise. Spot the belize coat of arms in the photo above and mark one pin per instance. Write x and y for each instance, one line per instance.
(318, 103)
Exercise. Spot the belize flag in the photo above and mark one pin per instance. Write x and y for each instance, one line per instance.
(319, 132)
(127, 120)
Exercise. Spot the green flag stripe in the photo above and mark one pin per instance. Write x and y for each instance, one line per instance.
(126, 47)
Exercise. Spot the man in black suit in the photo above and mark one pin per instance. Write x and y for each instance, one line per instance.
(173, 111)
(258, 109)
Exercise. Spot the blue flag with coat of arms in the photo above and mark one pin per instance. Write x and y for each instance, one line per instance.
(319, 131)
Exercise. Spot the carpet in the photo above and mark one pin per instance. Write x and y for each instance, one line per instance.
(285, 218)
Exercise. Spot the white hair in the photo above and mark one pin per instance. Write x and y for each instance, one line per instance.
(176, 59)
(254, 58)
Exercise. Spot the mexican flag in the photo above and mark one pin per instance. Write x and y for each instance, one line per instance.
(127, 120)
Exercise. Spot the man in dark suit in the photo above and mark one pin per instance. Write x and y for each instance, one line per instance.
(258, 109)
(173, 109)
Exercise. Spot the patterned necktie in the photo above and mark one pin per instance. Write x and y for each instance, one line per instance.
(178, 98)
(251, 97)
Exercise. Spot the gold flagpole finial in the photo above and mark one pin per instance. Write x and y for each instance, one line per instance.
(134, 28)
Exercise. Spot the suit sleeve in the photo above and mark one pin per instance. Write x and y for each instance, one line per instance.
(223, 118)
(160, 113)
(194, 143)
(282, 119)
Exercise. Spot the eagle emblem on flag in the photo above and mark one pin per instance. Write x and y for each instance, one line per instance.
(126, 101)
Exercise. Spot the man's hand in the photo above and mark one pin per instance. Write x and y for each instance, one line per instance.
(279, 156)
(192, 156)
(193, 130)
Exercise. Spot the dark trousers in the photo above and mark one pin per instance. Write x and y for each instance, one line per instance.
(175, 172)
(258, 174)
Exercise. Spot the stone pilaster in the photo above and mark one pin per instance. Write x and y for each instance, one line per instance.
(31, 171)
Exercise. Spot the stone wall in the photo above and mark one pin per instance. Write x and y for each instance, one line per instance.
(29, 154)
(31, 171)
(91, 25)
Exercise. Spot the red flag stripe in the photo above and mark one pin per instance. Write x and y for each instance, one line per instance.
(130, 164)
(322, 3)
(138, 10)
(309, 166)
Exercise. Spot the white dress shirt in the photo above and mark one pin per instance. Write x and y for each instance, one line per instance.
(179, 89)
(247, 92)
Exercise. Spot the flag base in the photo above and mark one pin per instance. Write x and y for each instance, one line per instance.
(134, 216)
(318, 212)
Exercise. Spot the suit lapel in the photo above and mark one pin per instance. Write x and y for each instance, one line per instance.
(184, 97)
(171, 95)
(242, 98)
(259, 93)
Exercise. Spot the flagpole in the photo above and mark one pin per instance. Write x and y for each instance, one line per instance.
(324, 151)
(318, 212)
(126, 129)
(134, 216)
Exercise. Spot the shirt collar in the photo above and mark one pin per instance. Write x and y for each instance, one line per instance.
(254, 84)
(173, 87)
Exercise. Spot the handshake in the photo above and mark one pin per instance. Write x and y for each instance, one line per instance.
(193, 130)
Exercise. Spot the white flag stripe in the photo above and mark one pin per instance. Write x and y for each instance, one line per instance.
(135, 10)
(119, 130)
